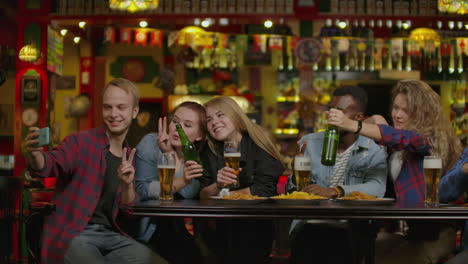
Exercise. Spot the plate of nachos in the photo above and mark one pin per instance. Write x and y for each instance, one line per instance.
(360, 198)
(239, 198)
(296, 198)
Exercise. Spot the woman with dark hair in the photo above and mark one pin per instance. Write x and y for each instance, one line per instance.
(420, 128)
(169, 235)
(239, 241)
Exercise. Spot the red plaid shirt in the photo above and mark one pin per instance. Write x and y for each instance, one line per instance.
(79, 163)
(409, 186)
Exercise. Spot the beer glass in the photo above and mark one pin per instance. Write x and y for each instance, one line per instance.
(432, 166)
(166, 171)
(302, 168)
(232, 159)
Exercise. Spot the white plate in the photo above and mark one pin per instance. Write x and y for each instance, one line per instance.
(297, 201)
(380, 201)
(220, 199)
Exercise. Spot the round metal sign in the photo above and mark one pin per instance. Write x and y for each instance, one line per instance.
(308, 51)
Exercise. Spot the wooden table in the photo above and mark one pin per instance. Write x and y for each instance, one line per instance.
(326, 209)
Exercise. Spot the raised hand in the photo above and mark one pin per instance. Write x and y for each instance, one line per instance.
(163, 137)
(31, 139)
(33, 155)
(337, 118)
(376, 119)
(192, 170)
(126, 171)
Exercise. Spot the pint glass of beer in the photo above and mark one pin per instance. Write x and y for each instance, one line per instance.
(432, 172)
(302, 169)
(232, 159)
(166, 171)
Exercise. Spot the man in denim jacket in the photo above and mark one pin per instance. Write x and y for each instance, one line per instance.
(361, 165)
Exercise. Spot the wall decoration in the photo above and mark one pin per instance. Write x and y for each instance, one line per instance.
(146, 121)
(30, 90)
(142, 69)
(6, 119)
(66, 83)
(29, 116)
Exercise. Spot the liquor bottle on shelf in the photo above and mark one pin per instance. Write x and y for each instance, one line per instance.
(369, 53)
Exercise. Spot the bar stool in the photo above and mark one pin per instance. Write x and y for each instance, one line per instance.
(10, 195)
(38, 205)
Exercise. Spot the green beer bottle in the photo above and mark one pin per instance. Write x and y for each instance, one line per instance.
(188, 148)
(330, 144)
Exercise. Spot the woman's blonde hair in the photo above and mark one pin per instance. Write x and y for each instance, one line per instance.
(427, 118)
(242, 124)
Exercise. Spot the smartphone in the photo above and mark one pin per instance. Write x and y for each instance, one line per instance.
(44, 137)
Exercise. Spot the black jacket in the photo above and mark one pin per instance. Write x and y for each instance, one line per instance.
(260, 170)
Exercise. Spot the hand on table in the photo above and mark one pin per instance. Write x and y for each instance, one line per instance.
(319, 190)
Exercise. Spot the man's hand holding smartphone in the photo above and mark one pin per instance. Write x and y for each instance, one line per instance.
(32, 143)
(37, 138)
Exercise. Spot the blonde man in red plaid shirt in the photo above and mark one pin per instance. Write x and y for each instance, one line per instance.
(94, 179)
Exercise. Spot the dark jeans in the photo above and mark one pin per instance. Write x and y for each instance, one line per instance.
(173, 242)
(327, 243)
(235, 241)
(97, 244)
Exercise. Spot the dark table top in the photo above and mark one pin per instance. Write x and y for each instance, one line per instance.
(326, 209)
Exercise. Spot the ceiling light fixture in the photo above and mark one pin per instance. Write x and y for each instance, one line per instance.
(133, 5)
(143, 24)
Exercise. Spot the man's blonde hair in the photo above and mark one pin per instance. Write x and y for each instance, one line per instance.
(128, 86)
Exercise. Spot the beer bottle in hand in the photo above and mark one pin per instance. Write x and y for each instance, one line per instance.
(330, 144)
(188, 148)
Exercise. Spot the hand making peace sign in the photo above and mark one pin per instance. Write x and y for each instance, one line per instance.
(126, 171)
(163, 137)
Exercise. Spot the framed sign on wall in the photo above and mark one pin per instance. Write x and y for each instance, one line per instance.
(30, 89)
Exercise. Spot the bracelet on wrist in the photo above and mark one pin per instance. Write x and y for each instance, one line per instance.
(218, 186)
(359, 127)
(339, 191)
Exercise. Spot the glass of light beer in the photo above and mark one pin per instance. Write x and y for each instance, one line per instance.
(232, 158)
(166, 172)
(432, 166)
(302, 168)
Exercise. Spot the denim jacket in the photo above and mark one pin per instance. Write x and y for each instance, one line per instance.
(367, 166)
(147, 181)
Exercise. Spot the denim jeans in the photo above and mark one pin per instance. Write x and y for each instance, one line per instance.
(97, 244)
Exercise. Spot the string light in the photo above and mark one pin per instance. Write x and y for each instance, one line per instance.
(143, 24)
(268, 24)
